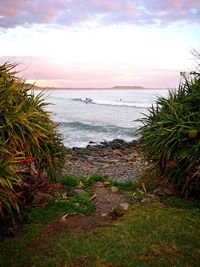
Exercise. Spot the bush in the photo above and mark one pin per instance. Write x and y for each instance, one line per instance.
(27, 136)
(170, 136)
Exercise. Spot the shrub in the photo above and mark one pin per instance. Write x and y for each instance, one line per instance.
(27, 136)
(170, 136)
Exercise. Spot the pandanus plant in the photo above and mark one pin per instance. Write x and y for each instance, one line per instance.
(27, 136)
(170, 136)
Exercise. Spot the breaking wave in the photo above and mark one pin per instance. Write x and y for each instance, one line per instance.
(113, 103)
(80, 126)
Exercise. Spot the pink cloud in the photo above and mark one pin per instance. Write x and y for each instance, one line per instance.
(45, 72)
(67, 13)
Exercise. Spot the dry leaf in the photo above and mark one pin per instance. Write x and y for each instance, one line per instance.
(93, 196)
(81, 184)
(106, 183)
(64, 195)
(144, 188)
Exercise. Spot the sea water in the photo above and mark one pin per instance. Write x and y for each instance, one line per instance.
(99, 115)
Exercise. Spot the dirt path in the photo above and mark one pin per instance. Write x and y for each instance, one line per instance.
(108, 207)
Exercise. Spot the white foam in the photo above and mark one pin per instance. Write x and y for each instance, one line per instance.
(121, 103)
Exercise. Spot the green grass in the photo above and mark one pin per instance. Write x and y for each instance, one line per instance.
(59, 206)
(181, 203)
(72, 205)
(148, 235)
(126, 185)
(153, 234)
(73, 181)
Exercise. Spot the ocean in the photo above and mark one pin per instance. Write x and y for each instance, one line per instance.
(99, 115)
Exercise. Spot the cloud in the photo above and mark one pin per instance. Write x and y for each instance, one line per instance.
(45, 72)
(108, 12)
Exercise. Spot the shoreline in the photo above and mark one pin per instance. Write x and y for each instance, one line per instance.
(117, 160)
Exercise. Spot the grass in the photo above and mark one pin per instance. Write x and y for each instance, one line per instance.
(73, 181)
(153, 234)
(58, 208)
(181, 203)
(148, 235)
(125, 185)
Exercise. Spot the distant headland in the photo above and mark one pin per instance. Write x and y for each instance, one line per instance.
(127, 87)
(117, 87)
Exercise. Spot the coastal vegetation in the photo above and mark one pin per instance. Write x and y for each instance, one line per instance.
(170, 136)
(82, 219)
(28, 137)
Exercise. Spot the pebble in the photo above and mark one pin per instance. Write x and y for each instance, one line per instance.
(117, 160)
(124, 206)
(114, 189)
(40, 198)
(76, 192)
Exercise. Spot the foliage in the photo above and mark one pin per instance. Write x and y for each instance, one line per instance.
(27, 136)
(170, 136)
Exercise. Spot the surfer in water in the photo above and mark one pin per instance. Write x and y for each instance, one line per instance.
(88, 100)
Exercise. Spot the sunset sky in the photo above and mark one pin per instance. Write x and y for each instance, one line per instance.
(100, 43)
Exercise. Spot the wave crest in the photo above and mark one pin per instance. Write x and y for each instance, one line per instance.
(113, 103)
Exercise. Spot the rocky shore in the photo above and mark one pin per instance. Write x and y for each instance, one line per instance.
(117, 160)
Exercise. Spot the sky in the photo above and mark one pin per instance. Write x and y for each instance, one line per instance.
(100, 43)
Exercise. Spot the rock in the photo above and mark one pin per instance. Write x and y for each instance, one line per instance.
(120, 141)
(163, 191)
(160, 193)
(145, 200)
(69, 156)
(92, 142)
(84, 168)
(149, 198)
(132, 157)
(114, 189)
(106, 166)
(124, 205)
(75, 148)
(104, 143)
(40, 198)
(168, 191)
(99, 184)
(116, 213)
(118, 152)
(128, 151)
(104, 214)
(133, 143)
(90, 158)
(76, 192)
(114, 161)
(115, 146)
(117, 160)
